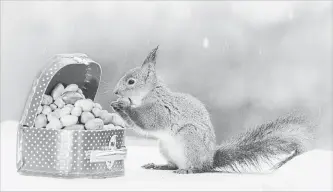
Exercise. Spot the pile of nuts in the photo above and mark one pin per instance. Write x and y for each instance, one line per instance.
(67, 108)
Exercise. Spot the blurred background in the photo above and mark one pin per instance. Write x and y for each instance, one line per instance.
(248, 61)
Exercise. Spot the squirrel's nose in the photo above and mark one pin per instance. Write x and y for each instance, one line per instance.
(116, 92)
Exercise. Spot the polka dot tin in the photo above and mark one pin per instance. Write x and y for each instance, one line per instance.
(68, 153)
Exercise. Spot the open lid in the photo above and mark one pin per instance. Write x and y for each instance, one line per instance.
(66, 69)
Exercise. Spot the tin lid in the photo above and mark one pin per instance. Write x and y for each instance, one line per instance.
(67, 69)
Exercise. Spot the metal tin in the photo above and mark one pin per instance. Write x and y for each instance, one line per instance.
(67, 153)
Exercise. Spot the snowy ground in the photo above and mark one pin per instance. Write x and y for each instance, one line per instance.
(311, 171)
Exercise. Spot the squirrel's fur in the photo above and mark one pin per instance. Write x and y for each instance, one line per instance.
(187, 138)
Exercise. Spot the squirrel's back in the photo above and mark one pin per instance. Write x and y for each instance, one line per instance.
(183, 107)
(191, 108)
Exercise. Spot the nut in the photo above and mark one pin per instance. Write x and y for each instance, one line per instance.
(57, 112)
(80, 91)
(70, 106)
(68, 120)
(39, 109)
(85, 104)
(107, 118)
(40, 121)
(117, 120)
(109, 126)
(46, 110)
(53, 106)
(65, 111)
(57, 91)
(97, 105)
(71, 97)
(54, 124)
(86, 116)
(76, 111)
(118, 127)
(59, 102)
(71, 87)
(53, 115)
(96, 112)
(47, 100)
(94, 124)
(103, 112)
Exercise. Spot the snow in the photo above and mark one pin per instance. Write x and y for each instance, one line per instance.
(311, 171)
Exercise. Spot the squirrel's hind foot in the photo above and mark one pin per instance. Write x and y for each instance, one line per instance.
(188, 171)
(159, 167)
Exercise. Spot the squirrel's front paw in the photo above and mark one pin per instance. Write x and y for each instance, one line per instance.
(120, 104)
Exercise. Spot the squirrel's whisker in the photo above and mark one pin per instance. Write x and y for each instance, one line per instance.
(107, 91)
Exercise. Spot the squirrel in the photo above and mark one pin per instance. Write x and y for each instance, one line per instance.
(185, 132)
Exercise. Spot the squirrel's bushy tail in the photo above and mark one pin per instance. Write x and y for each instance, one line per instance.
(271, 144)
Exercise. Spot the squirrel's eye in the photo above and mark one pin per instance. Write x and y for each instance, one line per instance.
(131, 81)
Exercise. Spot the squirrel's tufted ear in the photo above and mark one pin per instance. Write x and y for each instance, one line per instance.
(148, 66)
(151, 58)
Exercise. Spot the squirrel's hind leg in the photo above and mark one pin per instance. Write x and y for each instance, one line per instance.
(198, 150)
